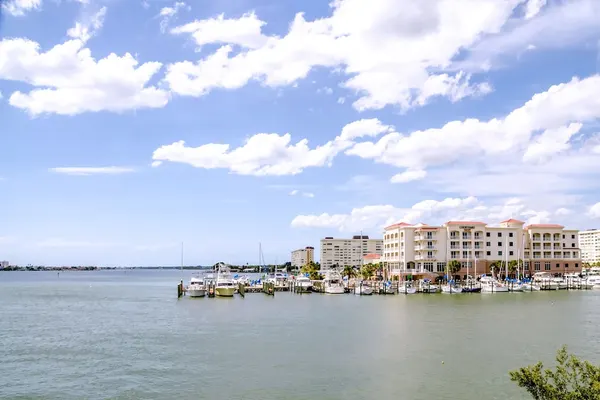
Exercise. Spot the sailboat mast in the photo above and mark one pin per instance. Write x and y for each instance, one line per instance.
(181, 268)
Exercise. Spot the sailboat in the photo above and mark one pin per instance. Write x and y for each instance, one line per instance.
(450, 287)
(360, 288)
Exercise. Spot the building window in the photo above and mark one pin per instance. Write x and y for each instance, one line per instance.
(487, 234)
(536, 265)
(572, 236)
(441, 267)
(499, 234)
(557, 265)
(566, 265)
(563, 236)
(576, 265)
(488, 243)
(547, 266)
(500, 244)
(526, 264)
(572, 244)
(510, 234)
(510, 244)
(510, 253)
(428, 266)
(489, 253)
(500, 253)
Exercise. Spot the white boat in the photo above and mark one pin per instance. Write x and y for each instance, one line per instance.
(407, 289)
(428, 287)
(545, 281)
(304, 283)
(362, 290)
(450, 288)
(514, 286)
(333, 283)
(196, 288)
(224, 286)
(530, 287)
(278, 278)
(491, 285)
(592, 282)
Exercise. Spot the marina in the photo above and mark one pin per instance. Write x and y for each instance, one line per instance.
(334, 283)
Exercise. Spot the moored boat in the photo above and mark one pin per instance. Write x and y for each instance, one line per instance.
(197, 287)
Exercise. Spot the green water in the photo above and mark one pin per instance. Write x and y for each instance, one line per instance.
(116, 335)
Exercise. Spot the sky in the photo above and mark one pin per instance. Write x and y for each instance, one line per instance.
(128, 127)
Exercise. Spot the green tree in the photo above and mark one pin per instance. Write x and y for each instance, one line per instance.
(572, 379)
(368, 270)
(513, 265)
(496, 267)
(312, 270)
(349, 271)
(454, 267)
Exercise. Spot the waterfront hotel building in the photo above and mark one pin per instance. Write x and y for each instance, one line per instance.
(424, 249)
(301, 257)
(589, 241)
(348, 252)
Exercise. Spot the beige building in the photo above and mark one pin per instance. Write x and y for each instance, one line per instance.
(421, 248)
(348, 252)
(301, 257)
(589, 242)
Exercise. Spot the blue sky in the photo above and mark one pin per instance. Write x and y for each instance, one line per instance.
(410, 111)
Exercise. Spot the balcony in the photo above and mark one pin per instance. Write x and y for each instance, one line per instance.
(467, 237)
(424, 258)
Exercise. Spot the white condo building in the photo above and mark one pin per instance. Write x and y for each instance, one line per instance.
(589, 241)
(348, 252)
(421, 248)
(301, 257)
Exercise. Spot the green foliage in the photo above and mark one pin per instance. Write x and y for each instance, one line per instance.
(454, 267)
(572, 379)
(368, 270)
(312, 270)
(348, 271)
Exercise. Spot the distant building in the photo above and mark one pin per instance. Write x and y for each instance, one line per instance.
(301, 257)
(4, 264)
(589, 242)
(348, 252)
(421, 248)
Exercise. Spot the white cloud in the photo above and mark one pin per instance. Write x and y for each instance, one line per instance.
(377, 216)
(18, 8)
(558, 113)
(533, 7)
(594, 211)
(559, 25)
(296, 192)
(86, 171)
(325, 90)
(88, 26)
(245, 31)
(409, 176)
(550, 143)
(68, 80)
(392, 52)
(428, 211)
(168, 13)
(268, 153)
(563, 211)
(341, 100)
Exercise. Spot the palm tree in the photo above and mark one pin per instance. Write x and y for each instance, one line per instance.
(348, 271)
(495, 267)
(454, 267)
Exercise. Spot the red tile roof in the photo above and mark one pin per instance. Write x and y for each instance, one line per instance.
(513, 221)
(372, 256)
(398, 225)
(465, 223)
(545, 226)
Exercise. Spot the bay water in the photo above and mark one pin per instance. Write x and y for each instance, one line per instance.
(125, 335)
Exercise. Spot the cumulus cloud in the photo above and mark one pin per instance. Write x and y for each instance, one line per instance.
(167, 14)
(67, 80)
(594, 211)
(428, 211)
(391, 52)
(19, 8)
(268, 153)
